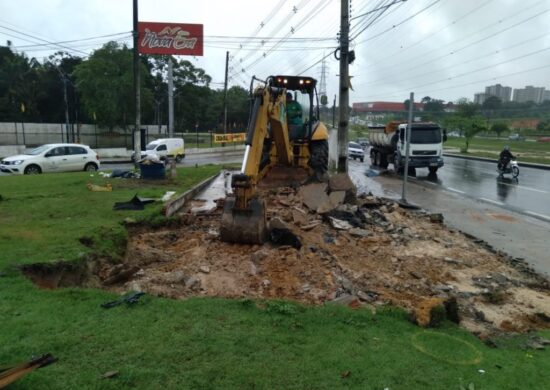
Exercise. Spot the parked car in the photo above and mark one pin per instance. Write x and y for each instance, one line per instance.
(364, 142)
(355, 151)
(516, 137)
(52, 158)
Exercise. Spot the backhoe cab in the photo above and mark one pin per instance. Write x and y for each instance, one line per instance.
(289, 149)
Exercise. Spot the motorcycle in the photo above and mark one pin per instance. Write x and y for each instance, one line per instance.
(511, 167)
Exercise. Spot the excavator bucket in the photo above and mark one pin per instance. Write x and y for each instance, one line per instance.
(245, 226)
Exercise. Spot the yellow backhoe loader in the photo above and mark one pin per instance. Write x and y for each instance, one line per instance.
(276, 145)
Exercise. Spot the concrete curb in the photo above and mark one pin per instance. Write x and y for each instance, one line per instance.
(521, 164)
(173, 206)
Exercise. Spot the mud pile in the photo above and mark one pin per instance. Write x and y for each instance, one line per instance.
(354, 250)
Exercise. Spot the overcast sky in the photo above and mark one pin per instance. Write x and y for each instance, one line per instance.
(446, 49)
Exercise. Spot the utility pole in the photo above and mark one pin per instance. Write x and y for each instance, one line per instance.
(170, 99)
(344, 88)
(407, 148)
(137, 130)
(66, 106)
(225, 95)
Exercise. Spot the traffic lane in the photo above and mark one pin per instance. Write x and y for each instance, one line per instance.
(518, 235)
(480, 180)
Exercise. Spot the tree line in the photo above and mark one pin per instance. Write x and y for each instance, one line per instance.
(99, 89)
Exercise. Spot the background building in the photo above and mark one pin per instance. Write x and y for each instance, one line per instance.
(480, 97)
(529, 94)
(501, 92)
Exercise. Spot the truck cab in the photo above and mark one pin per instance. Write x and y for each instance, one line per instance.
(426, 148)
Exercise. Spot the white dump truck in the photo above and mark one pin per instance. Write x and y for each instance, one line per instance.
(388, 145)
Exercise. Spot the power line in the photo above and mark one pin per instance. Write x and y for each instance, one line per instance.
(400, 23)
(74, 40)
(40, 39)
(401, 92)
(462, 63)
(434, 33)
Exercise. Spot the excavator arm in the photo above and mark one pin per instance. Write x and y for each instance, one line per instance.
(244, 218)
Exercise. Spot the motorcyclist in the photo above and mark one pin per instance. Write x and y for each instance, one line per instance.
(505, 157)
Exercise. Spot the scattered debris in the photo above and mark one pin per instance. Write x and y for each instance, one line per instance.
(109, 374)
(130, 300)
(135, 203)
(12, 373)
(97, 188)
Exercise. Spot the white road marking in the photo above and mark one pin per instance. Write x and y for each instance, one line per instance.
(532, 189)
(492, 201)
(545, 217)
(455, 190)
(430, 182)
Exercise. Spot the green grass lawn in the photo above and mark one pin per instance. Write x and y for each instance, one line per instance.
(528, 151)
(204, 343)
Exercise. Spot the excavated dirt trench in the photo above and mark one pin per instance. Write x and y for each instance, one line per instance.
(369, 252)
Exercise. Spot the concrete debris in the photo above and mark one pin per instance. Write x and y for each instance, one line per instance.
(277, 223)
(339, 224)
(367, 250)
(314, 195)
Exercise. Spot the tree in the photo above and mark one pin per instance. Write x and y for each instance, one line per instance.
(106, 83)
(492, 103)
(499, 128)
(466, 121)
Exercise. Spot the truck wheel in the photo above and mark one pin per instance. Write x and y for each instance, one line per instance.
(383, 161)
(433, 170)
(179, 157)
(377, 159)
(362, 159)
(396, 165)
(318, 159)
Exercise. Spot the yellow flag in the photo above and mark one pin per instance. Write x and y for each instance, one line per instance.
(22, 107)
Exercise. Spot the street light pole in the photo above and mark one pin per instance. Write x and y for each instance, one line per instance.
(66, 106)
(137, 130)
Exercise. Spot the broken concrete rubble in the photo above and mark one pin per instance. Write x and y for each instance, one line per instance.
(384, 255)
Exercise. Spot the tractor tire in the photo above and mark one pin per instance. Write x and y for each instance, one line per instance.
(318, 159)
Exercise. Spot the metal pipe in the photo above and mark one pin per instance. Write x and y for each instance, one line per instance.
(245, 160)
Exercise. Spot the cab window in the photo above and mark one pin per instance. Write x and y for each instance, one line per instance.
(161, 148)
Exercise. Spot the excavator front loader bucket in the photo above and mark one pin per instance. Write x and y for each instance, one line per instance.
(244, 226)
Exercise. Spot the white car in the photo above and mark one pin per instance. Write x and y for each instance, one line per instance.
(356, 151)
(52, 158)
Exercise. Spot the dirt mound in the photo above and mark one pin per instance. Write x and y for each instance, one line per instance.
(372, 251)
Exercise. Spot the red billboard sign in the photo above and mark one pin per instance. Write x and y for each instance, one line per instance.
(170, 38)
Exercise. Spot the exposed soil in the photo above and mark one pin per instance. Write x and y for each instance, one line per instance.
(383, 255)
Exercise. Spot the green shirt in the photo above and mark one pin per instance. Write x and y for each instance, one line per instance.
(294, 113)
